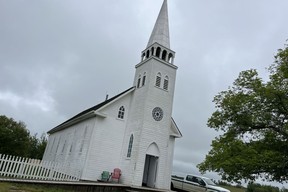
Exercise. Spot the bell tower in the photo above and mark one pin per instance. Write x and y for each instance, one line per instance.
(150, 117)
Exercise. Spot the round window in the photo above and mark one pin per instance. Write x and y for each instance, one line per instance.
(157, 113)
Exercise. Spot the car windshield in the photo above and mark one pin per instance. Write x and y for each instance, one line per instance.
(208, 181)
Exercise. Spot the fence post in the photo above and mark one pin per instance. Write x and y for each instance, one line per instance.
(6, 165)
(18, 165)
(26, 168)
(14, 164)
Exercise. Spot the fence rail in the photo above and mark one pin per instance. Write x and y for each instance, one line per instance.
(25, 168)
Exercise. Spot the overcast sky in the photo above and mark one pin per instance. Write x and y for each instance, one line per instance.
(58, 58)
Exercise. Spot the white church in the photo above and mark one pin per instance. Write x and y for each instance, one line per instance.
(134, 130)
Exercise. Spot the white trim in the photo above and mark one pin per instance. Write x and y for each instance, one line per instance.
(174, 130)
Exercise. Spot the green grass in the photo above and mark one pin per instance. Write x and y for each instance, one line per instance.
(4, 186)
(16, 187)
(234, 189)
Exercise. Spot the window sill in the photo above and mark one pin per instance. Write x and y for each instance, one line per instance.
(161, 88)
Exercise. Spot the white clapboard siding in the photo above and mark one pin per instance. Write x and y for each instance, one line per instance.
(25, 168)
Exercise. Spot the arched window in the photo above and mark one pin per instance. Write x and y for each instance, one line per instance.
(130, 145)
(63, 148)
(139, 81)
(166, 82)
(158, 80)
(147, 54)
(152, 51)
(71, 147)
(58, 144)
(121, 112)
(83, 140)
(164, 54)
(170, 57)
(144, 79)
(143, 57)
(81, 146)
(158, 51)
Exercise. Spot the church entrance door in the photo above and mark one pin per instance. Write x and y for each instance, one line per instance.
(150, 171)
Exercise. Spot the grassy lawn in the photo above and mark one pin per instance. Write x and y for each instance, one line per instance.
(234, 189)
(16, 187)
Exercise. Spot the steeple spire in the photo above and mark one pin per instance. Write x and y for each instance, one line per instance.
(160, 33)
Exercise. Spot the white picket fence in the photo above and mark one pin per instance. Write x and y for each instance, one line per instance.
(25, 168)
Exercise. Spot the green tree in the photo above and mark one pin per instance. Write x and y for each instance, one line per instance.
(14, 137)
(37, 146)
(253, 115)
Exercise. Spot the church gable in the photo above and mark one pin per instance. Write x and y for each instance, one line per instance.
(118, 108)
(91, 112)
(107, 137)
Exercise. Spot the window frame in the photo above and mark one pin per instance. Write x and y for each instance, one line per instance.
(130, 146)
(139, 81)
(121, 112)
(166, 83)
(158, 80)
(144, 79)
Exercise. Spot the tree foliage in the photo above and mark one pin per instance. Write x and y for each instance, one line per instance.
(253, 115)
(16, 140)
(37, 146)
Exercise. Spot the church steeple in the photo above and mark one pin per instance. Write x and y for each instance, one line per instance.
(159, 42)
(160, 33)
(150, 116)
